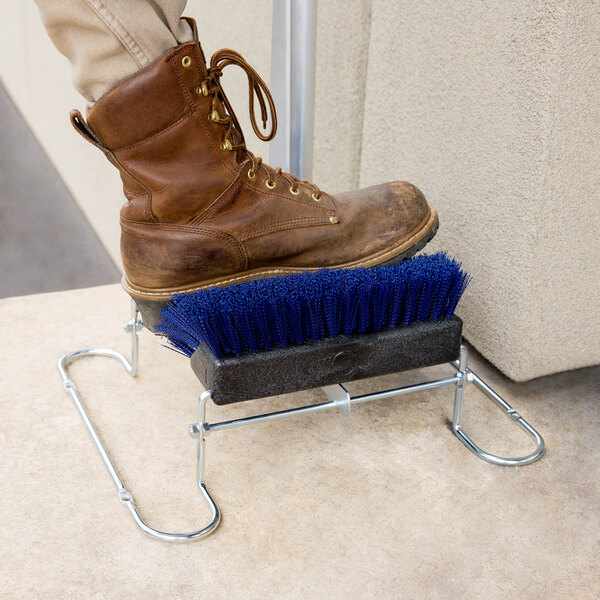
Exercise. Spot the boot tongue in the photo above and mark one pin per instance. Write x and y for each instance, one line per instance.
(236, 139)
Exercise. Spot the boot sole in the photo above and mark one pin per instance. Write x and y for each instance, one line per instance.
(151, 301)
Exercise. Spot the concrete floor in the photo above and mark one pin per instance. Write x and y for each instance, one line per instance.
(46, 244)
(384, 503)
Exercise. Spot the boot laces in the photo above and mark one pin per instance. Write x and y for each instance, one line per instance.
(256, 87)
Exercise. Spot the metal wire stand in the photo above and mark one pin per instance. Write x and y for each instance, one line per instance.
(338, 396)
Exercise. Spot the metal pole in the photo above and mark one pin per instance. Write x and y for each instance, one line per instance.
(293, 49)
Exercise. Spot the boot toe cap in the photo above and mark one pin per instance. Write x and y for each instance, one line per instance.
(406, 204)
(385, 212)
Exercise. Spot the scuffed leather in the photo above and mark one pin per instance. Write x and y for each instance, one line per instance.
(372, 220)
(194, 215)
(162, 255)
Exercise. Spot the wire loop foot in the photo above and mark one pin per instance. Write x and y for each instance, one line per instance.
(133, 326)
(467, 376)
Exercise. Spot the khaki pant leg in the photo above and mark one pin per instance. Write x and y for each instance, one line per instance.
(107, 41)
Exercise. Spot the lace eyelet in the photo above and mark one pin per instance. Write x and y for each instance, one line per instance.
(251, 174)
(186, 61)
(226, 145)
(316, 198)
(202, 90)
(270, 184)
(213, 117)
(294, 191)
(334, 220)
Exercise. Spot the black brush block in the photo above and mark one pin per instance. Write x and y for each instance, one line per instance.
(327, 361)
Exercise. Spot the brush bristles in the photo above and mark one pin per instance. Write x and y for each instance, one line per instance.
(292, 309)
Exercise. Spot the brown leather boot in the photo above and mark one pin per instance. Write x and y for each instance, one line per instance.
(202, 210)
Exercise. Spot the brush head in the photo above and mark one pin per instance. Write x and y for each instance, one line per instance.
(292, 309)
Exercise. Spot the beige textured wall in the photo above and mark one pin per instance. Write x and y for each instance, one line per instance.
(342, 55)
(39, 80)
(491, 108)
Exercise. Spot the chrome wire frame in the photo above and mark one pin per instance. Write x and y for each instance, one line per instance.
(339, 398)
(133, 326)
(466, 376)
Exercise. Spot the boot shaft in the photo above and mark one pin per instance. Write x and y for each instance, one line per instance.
(161, 129)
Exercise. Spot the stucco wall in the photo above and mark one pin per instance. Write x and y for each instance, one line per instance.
(39, 80)
(491, 108)
(342, 55)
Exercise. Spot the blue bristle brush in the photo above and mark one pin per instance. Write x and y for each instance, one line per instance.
(292, 309)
